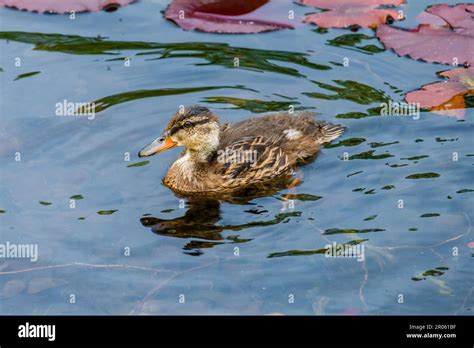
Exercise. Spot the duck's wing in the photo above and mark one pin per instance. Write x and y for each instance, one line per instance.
(251, 160)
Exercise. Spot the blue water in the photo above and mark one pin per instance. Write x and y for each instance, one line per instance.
(113, 264)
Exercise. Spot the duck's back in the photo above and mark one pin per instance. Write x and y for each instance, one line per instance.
(299, 136)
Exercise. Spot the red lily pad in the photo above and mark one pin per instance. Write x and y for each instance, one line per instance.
(447, 39)
(446, 97)
(64, 6)
(347, 13)
(230, 17)
(470, 245)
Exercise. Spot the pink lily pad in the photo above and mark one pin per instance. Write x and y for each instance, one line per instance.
(347, 13)
(447, 39)
(63, 6)
(230, 17)
(446, 97)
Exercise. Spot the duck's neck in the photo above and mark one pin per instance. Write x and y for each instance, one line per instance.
(199, 157)
(203, 152)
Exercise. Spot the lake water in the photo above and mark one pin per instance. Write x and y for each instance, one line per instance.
(148, 252)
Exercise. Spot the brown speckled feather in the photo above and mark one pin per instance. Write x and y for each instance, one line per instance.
(274, 143)
(268, 162)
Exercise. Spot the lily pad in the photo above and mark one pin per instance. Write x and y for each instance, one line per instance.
(229, 17)
(446, 98)
(64, 6)
(449, 43)
(349, 13)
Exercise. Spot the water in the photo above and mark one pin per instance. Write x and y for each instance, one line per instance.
(258, 257)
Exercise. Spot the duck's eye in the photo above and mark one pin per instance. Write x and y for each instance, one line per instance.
(187, 124)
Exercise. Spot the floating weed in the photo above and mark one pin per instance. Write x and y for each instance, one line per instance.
(256, 211)
(22, 76)
(422, 176)
(396, 165)
(372, 217)
(163, 211)
(77, 197)
(107, 212)
(351, 91)
(119, 98)
(441, 140)
(297, 253)
(237, 239)
(375, 144)
(301, 196)
(350, 231)
(346, 142)
(2, 211)
(464, 191)
(351, 41)
(311, 252)
(138, 164)
(413, 229)
(414, 158)
(45, 203)
(371, 112)
(254, 105)
(388, 187)
(214, 53)
(81, 218)
(370, 155)
(428, 215)
(285, 97)
(437, 272)
(320, 30)
(355, 173)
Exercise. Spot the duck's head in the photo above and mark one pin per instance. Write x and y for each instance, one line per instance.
(195, 127)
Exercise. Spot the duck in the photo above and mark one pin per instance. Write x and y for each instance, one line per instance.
(223, 157)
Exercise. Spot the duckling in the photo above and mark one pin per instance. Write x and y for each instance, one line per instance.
(226, 157)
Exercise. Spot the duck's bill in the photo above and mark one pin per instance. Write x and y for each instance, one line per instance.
(160, 144)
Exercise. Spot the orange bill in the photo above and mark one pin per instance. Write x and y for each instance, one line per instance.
(162, 143)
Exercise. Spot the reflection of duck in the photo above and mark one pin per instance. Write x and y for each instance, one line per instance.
(221, 158)
(201, 222)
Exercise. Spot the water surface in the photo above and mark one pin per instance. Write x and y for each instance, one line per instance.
(131, 246)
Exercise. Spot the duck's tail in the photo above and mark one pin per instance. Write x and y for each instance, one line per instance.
(329, 132)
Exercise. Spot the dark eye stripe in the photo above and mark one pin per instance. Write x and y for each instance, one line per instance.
(174, 129)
